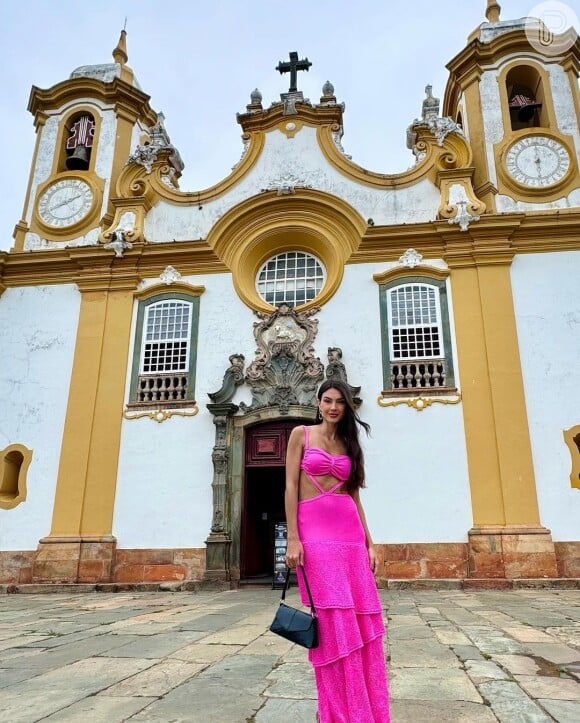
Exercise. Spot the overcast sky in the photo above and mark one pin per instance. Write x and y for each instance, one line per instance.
(199, 61)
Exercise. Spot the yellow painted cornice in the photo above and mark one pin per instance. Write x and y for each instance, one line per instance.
(454, 153)
(265, 120)
(161, 288)
(476, 55)
(262, 226)
(404, 272)
(126, 98)
(95, 266)
(135, 181)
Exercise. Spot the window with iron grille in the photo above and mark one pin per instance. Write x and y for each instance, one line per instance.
(416, 336)
(292, 277)
(163, 372)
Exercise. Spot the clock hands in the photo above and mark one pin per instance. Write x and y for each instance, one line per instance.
(65, 202)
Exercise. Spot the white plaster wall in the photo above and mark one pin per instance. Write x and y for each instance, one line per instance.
(106, 151)
(492, 118)
(38, 327)
(44, 159)
(564, 104)
(297, 160)
(418, 488)
(547, 306)
(164, 496)
(416, 462)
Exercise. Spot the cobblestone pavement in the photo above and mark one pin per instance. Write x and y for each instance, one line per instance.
(474, 657)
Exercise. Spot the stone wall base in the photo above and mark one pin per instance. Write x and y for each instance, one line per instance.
(62, 560)
(412, 561)
(511, 553)
(495, 557)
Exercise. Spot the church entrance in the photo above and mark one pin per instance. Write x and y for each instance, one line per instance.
(263, 498)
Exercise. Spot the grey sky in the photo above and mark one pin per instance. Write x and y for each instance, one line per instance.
(200, 60)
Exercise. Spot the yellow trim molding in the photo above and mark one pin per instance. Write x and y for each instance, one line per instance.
(14, 463)
(508, 185)
(160, 415)
(401, 272)
(268, 224)
(572, 439)
(455, 152)
(87, 222)
(419, 403)
(123, 96)
(177, 286)
(135, 181)
(87, 476)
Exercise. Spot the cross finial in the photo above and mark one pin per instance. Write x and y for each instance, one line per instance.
(292, 67)
(120, 52)
(492, 11)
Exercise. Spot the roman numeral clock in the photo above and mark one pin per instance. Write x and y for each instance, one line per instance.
(65, 203)
(537, 161)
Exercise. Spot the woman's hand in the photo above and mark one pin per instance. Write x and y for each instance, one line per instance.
(373, 559)
(294, 553)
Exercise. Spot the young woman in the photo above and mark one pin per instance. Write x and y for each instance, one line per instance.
(328, 534)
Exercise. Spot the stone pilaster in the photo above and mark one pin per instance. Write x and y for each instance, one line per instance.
(219, 541)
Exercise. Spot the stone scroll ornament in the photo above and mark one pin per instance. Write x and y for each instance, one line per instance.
(285, 370)
(336, 371)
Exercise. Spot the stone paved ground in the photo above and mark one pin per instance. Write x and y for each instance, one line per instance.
(474, 657)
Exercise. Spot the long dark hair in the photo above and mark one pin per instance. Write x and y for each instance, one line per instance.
(348, 430)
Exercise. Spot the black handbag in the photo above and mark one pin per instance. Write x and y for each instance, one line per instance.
(296, 625)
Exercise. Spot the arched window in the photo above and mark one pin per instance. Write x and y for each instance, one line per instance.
(78, 141)
(163, 373)
(416, 336)
(292, 277)
(525, 94)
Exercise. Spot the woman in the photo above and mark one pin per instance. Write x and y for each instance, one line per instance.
(328, 534)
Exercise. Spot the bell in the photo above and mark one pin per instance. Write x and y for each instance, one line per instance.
(526, 107)
(526, 112)
(79, 159)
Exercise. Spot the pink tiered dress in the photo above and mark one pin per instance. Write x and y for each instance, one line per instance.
(349, 663)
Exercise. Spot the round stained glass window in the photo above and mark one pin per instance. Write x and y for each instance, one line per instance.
(292, 278)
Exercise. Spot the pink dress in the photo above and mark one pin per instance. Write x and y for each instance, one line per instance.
(349, 663)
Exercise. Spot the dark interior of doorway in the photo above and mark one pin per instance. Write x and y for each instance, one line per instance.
(263, 507)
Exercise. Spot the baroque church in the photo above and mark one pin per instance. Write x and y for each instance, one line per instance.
(158, 345)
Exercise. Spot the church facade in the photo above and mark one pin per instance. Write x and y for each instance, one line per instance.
(158, 346)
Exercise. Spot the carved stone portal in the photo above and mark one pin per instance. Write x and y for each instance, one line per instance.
(285, 370)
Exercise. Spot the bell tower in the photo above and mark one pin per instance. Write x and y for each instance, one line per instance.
(514, 89)
(86, 127)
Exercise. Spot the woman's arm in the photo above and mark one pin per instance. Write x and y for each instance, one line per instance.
(295, 551)
(368, 538)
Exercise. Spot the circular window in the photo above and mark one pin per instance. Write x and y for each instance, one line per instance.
(292, 278)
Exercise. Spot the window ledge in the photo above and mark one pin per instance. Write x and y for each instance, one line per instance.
(420, 399)
(160, 412)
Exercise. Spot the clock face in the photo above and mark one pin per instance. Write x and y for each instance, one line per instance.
(537, 161)
(65, 202)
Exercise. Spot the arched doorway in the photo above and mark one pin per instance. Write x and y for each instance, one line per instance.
(263, 497)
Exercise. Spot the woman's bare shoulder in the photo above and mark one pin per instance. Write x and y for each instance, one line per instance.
(297, 434)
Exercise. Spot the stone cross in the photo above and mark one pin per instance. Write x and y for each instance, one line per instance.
(293, 66)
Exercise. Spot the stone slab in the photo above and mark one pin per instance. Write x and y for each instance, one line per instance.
(204, 653)
(416, 711)
(510, 704)
(432, 684)
(422, 654)
(292, 680)
(157, 680)
(279, 709)
(564, 711)
(545, 687)
(555, 653)
(98, 709)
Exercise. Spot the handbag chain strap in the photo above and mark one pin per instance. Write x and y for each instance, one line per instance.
(287, 583)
